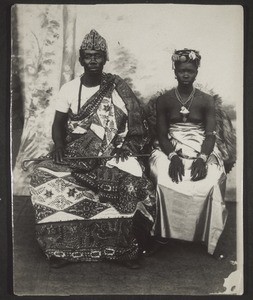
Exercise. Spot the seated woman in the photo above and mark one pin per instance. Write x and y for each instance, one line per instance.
(98, 208)
(187, 164)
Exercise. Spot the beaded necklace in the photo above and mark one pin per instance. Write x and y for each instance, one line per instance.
(80, 91)
(185, 108)
(90, 107)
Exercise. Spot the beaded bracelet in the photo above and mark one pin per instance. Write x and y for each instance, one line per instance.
(203, 156)
(171, 155)
(209, 133)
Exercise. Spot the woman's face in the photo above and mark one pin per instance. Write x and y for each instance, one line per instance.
(186, 73)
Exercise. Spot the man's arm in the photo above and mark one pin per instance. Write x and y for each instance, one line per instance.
(58, 135)
(176, 168)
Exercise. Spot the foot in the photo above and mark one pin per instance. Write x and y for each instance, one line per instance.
(131, 264)
(57, 262)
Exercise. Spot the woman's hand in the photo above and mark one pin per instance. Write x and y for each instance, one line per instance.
(198, 169)
(58, 154)
(120, 153)
(176, 169)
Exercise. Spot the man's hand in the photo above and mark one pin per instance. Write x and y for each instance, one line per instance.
(120, 153)
(58, 155)
(176, 169)
(198, 169)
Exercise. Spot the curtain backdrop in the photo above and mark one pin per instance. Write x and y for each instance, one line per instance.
(43, 57)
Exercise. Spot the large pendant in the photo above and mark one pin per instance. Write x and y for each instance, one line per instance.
(184, 112)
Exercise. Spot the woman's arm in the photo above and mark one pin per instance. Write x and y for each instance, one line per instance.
(198, 170)
(210, 125)
(162, 126)
(176, 168)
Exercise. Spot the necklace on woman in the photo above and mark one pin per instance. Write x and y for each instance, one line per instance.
(184, 109)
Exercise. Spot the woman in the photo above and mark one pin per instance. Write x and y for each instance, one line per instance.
(186, 165)
(98, 208)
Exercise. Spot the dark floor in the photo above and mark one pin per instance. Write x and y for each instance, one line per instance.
(179, 268)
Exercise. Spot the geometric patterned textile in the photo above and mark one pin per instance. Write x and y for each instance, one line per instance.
(85, 210)
(73, 224)
(89, 240)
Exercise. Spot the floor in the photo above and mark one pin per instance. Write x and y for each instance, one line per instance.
(179, 268)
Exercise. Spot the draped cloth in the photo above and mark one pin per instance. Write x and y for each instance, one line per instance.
(95, 209)
(190, 210)
(43, 59)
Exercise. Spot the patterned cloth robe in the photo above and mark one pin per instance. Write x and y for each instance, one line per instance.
(95, 209)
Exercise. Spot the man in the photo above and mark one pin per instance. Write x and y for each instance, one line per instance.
(187, 164)
(93, 201)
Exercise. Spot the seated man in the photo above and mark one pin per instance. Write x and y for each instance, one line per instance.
(187, 163)
(90, 206)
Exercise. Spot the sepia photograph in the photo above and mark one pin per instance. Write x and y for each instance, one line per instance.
(127, 149)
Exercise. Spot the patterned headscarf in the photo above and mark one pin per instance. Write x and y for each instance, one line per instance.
(94, 41)
(186, 55)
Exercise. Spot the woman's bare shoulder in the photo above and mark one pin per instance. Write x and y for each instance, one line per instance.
(204, 98)
(166, 97)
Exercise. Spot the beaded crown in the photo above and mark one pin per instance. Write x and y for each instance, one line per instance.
(94, 41)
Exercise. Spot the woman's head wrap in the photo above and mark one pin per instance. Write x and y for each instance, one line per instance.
(94, 41)
(186, 55)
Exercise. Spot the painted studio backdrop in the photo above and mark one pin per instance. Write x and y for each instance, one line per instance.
(141, 39)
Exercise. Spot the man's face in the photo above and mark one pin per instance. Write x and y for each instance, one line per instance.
(186, 73)
(93, 61)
